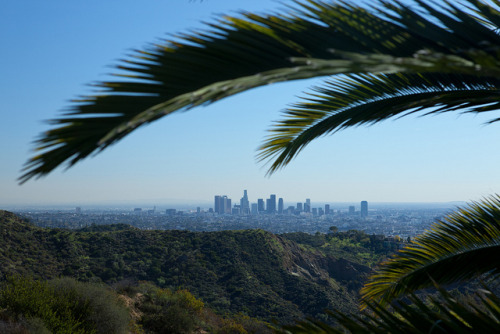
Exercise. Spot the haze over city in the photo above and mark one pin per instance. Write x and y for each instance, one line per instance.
(53, 51)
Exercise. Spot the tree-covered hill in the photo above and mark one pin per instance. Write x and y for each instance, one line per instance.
(251, 271)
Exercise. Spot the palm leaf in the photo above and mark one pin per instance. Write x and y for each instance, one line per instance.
(462, 246)
(367, 99)
(246, 51)
(440, 315)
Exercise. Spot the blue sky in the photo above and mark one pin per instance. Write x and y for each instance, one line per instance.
(52, 50)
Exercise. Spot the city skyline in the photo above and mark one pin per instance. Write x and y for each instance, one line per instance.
(222, 205)
(260, 202)
(189, 157)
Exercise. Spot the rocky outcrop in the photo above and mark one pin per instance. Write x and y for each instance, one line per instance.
(318, 267)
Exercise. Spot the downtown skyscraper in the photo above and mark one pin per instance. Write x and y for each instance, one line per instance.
(222, 205)
(364, 209)
(271, 204)
(244, 204)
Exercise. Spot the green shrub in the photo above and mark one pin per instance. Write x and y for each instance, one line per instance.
(104, 313)
(165, 311)
(63, 306)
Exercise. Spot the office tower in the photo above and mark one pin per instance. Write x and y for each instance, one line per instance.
(280, 206)
(271, 204)
(351, 210)
(198, 210)
(364, 209)
(260, 205)
(227, 205)
(307, 205)
(255, 209)
(315, 211)
(217, 204)
(299, 207)
(78, 210)
(320, 212)
(244, 204)
(222, 205)
(327, 209)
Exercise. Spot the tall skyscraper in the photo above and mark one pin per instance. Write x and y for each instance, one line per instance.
(352, 210)
(255, 209)
(307, 205)
(227, 205)
(299, 207)
(327, 209)
(222, 205)
(364, 209)
(244, 204)
(260, 205)
(217, 203)
(271, 204)
(280, 206)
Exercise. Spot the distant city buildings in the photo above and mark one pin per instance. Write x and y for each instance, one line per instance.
(271, 204)
(244, 204)
(364, 209)
(260, 205)
(307, 205)
(255, 209)
(222, 206)
(380, 220)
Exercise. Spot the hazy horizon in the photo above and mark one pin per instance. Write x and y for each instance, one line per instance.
(205, 205)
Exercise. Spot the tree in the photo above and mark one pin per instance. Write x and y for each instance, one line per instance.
(388, 59)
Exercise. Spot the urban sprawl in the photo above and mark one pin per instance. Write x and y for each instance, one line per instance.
(270, 215)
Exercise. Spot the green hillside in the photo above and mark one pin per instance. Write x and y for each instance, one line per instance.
(251, 272)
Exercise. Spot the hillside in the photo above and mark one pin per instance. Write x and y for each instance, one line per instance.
(252, 271)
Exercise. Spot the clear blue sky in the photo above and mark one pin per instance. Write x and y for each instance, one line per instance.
(52, 49)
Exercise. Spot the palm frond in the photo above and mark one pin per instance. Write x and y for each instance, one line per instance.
(367, 99)
(462, 246)
(246, 51)
(439, 315)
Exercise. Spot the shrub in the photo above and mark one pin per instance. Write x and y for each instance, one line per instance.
(104, 312)
(63, 306)
(165, 311)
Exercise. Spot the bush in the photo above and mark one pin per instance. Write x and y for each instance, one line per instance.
(165, 311)
(63, 306)
(104, 312)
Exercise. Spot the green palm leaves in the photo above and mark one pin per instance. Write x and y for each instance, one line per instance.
(462, 246)
(240, 53)
(367, 99)
(443, 315)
